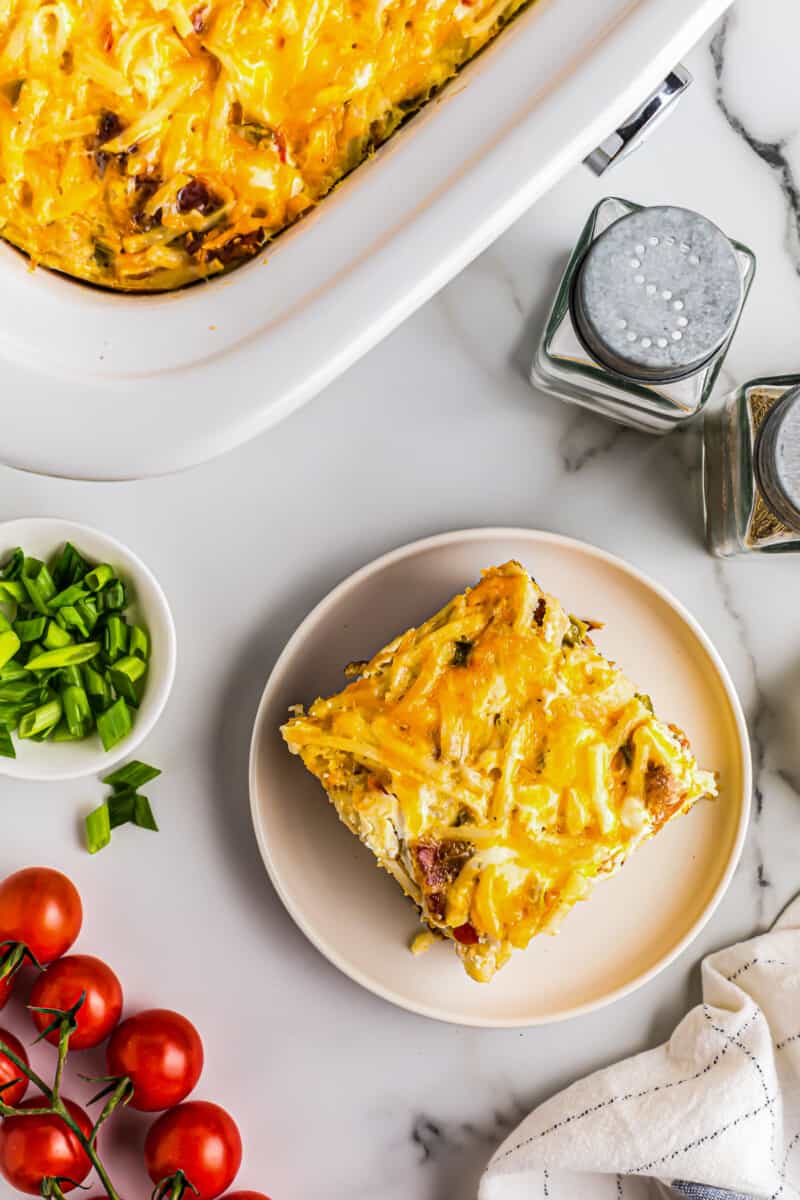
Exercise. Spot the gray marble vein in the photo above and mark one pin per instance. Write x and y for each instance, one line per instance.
(773, 154)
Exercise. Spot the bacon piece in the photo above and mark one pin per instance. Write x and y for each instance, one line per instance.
(241, 245)
(466, 935)
(195, 195)
(438, 864)
(661, 792)
(145, 187)
(109, 125)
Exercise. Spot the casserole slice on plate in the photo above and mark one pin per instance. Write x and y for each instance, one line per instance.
(496, 765)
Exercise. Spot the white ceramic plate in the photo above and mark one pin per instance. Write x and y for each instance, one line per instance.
(635, 923)
(165, 382)
(42, 537)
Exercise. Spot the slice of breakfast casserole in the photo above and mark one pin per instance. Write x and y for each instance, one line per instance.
(495, 763)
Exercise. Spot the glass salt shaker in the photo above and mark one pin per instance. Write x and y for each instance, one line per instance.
(644, 315)
(751, 469)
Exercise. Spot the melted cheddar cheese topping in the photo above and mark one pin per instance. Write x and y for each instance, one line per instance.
(148, 143)
(496, 765)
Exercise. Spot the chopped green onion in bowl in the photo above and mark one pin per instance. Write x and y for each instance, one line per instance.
(72, 666)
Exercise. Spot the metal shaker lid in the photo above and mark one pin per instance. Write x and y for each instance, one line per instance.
(658, 294)
(777, 459)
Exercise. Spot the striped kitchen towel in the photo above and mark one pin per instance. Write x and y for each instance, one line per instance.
(718, 1105)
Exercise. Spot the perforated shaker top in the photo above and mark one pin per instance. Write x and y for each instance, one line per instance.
(658, 293)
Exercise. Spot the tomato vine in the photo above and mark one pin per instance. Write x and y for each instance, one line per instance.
(55, 1106)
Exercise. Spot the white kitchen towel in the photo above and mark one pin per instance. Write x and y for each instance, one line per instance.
(717, 1105)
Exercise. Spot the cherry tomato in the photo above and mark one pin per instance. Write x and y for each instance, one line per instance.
(6, 987)
(199, 1139)
(61, 985)
(161, 1053)
(43, 1147)
(9, 1070)
(245, 1196)
(42, 909)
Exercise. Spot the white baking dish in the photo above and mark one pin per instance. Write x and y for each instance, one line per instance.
(211, 366)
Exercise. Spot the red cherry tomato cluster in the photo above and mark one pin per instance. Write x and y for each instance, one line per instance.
(40, 912)
(9, 1075)
(158, 1051)
(33, 1148)
(62, 985)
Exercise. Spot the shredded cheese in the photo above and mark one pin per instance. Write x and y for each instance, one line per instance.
(522, 764)
(247, 110)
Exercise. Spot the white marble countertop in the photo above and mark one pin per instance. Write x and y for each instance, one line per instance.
(338, 1094)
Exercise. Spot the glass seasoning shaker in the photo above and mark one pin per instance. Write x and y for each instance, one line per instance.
(751, 469)
(644, 315)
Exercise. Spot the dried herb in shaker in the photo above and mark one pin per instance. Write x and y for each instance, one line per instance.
(752, 469)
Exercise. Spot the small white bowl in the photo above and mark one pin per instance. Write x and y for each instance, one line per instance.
(42, 537)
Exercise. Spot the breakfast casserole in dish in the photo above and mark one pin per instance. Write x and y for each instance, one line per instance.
(496, 765)
(145, 144)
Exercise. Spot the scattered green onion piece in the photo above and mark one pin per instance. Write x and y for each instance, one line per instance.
(121, 807)
(12, 590)
(69, 595)
(143, 814)
(6, 745)
(77, 710)
(115, 638)
(98, 577)
(112, 598)
(98, 829)
(126, 806)
(13, 568)
(67, 656)
(128, 678)
(38, 584)
(56, 637)
(133, 775)
(31, 630)
(139, 643)
(41, 720)
(114, 724)
(70, 566)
